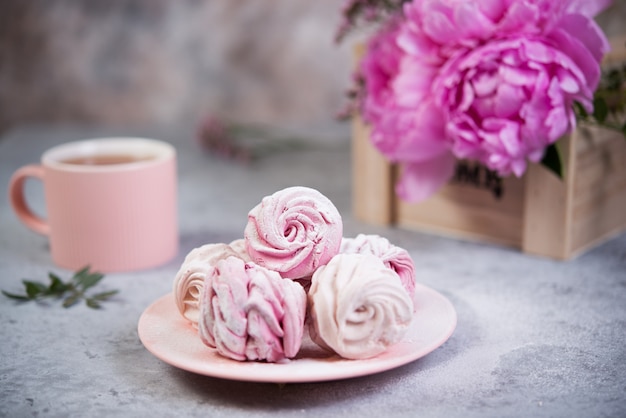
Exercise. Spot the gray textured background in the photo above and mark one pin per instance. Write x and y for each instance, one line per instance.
(127, 62)
(137, 62)
(535, 337)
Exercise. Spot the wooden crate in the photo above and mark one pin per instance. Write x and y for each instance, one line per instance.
(538, 213)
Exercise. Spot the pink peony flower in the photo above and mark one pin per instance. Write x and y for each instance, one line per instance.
(412, 135)
(490, 80)
(507, 101)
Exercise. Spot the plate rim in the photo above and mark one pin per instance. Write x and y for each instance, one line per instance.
(250, 371)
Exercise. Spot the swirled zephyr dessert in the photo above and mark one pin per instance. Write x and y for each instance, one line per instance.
(358, 306)
(396, 258)
(189, 280)
(294, 231)
(251, 313)
(239, 246)
(248, 299)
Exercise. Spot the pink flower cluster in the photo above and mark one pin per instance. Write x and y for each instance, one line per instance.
(489, 80)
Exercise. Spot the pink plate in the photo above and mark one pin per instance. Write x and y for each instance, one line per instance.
(168, 336)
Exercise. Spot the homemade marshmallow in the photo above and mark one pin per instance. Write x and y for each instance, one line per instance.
(239, 246)
(293, 232)
(396, 258)
(189, 280)
(251, 313)
(248, 299)
(358, 306)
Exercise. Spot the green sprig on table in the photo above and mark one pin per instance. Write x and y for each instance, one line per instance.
(72, 291)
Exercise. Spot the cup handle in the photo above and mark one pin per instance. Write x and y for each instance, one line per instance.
(18, 201)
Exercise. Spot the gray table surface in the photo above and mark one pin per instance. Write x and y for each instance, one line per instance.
(535, 337)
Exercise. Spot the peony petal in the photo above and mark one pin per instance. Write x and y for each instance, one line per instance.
(464, 133)
(517, 75)
(587, 32)
(533, 114)
(413, 82)
(502, 136)
(484, 108)
(582, 42)
(518, 17)
(536, 52)
(467, 97)
(472, 22)
(578, 60)
(555, 94)
(419, 181)
(415, 43)
(412, 135)
(485, 84)
(589, 8)
(557, 123)
(493, 9)
(510, 139)
(518, 166)
(536, 155)
(567, 82)
(440, 28)
(509, 100)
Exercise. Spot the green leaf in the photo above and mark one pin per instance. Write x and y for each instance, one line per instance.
(34, 289)
(552, 160)
(73, 290)
(86, 279)
(57, 287)
(71, 300)
(82, 272)
(92, 303)
(600, 109)
(104, 295)
(16, 297)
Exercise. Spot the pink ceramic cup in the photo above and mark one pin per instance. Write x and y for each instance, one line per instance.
(115, 214)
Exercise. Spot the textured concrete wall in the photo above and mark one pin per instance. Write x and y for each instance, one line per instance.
(143, 61)
(127, 62)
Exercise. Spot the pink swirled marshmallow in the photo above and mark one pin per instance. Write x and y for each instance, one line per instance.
(358, 307)
(293, 231)
(239, 246)
(396, 258)
(189, 281)
(251, 313)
